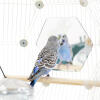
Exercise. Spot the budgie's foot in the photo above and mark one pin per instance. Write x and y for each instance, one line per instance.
(65, 62)
(70, 63)
(46, 84)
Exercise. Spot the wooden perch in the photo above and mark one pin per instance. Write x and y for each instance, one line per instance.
(53, 80)
(68, 67)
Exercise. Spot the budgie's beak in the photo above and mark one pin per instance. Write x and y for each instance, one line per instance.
(62, 42)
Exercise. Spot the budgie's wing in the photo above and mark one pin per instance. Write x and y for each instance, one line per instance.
(50, 59)
(42, 53)
(37, 63)
(39, 73)
(48, 62)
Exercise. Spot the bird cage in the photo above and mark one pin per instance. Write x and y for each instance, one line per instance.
(26, 26)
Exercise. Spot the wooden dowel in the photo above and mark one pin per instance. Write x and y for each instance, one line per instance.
(68, 67)
(24, 78)
(53, 80)
(69, 81)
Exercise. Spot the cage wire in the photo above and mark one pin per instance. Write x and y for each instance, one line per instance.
(21, 19)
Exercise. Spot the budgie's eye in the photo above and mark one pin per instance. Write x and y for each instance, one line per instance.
(64, 36)
(63, 40)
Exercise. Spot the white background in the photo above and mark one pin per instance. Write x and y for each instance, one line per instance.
(20, 19)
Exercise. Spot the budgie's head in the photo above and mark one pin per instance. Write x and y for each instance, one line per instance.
(53, 42)
(63, 39)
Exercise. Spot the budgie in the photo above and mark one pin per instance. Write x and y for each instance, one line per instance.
(46, 60)
(65, 51)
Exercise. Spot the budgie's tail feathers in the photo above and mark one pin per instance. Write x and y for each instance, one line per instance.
(33, 72)
(39, 73)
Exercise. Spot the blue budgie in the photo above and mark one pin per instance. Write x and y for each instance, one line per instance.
(46, 61)
(65, 52)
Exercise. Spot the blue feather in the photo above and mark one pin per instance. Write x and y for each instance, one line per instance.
(34, 71)
(64, 54)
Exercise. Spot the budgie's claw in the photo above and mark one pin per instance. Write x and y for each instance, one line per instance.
(30, 77)
(70, 63)
(46, 84)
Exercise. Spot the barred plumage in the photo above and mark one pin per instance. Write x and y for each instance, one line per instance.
(47, 58)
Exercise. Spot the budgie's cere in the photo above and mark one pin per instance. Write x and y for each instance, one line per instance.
(47, 59)
(65, 52)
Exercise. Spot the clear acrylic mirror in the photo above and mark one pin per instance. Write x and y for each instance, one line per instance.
(78, 39)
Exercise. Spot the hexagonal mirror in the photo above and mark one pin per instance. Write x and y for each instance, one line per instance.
(75, 44)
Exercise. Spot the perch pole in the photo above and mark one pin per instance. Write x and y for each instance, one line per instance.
(52, 80)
